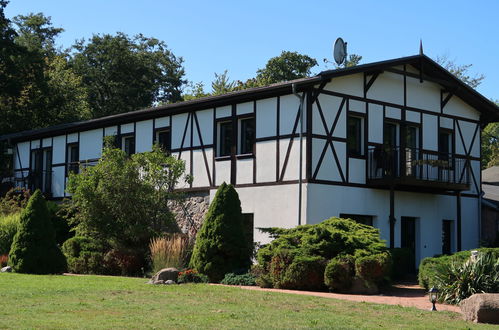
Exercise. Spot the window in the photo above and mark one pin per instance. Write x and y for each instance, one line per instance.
(444, 144)
(41, 170)
(363, 219)
(354, 136)
(128, 144)
(163, 139)
(73, 158)
(246, 135)
(224, 138)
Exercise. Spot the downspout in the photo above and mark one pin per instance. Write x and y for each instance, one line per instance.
(300, 180)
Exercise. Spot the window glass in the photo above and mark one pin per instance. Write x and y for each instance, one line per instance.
(247, 139)
(129, 145)
(363, 219)
(73, 158)
(354, 136)
(225, 138)
(163, 138)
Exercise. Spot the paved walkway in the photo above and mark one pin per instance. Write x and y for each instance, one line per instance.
(408, 295)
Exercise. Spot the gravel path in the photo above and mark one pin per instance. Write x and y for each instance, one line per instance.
(408, 295)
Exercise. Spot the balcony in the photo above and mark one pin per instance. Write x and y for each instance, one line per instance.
(413, 169)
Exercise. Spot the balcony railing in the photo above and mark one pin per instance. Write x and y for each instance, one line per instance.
(414, 167)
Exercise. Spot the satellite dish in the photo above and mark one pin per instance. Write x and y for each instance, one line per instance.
(340, 51)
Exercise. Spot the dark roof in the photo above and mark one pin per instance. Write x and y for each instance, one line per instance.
(431, 71)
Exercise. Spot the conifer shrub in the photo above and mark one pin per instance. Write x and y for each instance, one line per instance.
(314, 256)
(221, 246)
(247, 279)
(34, 249)
(339, 273)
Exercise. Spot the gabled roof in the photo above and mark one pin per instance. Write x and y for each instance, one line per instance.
(430, 70)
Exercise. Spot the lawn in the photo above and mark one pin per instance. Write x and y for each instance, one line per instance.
(31, 301)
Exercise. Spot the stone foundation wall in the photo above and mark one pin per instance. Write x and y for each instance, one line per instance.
(190, 216)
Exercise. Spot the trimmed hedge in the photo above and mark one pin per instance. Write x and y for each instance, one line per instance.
(430, 267)
(236, 279)
(330, 254)
(84, 255)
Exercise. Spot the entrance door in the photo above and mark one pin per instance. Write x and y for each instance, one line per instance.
(408, 238)
(447, 236)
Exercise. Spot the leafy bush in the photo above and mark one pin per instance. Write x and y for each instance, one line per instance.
(192, 276)
(8, 229)
(124, 200)
(459, 280)
(429, 267)
(124, 262)
(221, 246)
(341, 240)
(236, 279)
(402, 262)
(34, 249)
(84, 255)
(169, 251)
(14, 201)
(339, 273)
(60, 222)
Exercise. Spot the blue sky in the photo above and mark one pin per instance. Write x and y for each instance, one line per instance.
(241, 36)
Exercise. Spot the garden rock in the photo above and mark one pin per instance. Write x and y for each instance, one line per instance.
(481, 308)
(169, 282)
(6, 269)
(165, 274)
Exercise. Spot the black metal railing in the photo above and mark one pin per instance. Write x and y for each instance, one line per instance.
(412, 163)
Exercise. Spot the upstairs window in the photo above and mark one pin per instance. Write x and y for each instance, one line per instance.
(128, 144)
(363, 219)
(445, 144)
(163, 139)
(73, 158)
(224, 138)
(354, 136)
(247, 135)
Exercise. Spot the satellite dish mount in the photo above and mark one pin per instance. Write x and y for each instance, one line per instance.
(340, 51)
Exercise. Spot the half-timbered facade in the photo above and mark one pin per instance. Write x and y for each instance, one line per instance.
(394, 144)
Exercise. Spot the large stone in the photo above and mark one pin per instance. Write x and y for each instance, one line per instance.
(481, 308)
(6, 269)
(164, 275)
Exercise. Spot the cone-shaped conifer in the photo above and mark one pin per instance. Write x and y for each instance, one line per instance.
(34, 250)
(221, 246)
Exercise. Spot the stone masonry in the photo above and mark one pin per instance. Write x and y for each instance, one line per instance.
(191, 214)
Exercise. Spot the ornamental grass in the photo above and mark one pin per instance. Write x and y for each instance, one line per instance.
(169, 251)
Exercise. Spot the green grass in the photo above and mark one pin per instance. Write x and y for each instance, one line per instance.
(31, 301)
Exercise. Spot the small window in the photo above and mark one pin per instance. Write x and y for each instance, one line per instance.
(128, 145)
(163, 139)
(354, 136)
(444, 144)
(247, 135)
(224, 138)
(73, 158)
(363, 219)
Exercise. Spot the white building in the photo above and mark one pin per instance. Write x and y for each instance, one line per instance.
(395, 144)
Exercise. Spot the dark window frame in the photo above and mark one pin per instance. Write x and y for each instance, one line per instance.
(156, 140)
(359, 150)
(72, 165)
(123, 138)
(227, 122)
(247, 150)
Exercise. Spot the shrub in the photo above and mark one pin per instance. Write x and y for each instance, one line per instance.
(221, 246)
(459, 280)
(4, 260)
(326, 241)
(373, 268)
(84, 255)
(429, 267)
(14, 201)
(304, 273)
(124, 262)
(60, 222)
(242, 279)
(34, 249)
(8, 229)
(192, 276)
(169, 251)
(339, 273)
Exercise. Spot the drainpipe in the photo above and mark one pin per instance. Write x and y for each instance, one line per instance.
(300, 109)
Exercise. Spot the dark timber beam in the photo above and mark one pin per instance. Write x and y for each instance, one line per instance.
(371, 81)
